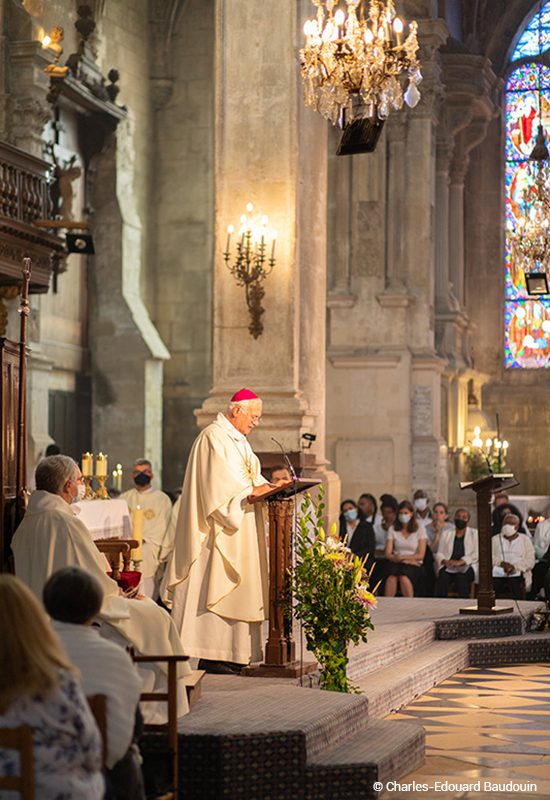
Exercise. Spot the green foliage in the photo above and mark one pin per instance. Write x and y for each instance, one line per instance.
(331, 595)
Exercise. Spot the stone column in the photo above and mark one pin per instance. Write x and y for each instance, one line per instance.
(339, 220)
(456, 226)
(127, 351)
(271, 151)
(428, 448)
(443, 154)
(397, 127)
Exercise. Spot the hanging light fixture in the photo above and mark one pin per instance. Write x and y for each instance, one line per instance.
(355, 64)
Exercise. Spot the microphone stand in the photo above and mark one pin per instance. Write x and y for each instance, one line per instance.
(287, 460)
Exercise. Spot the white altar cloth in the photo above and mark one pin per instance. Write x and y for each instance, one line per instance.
(105, 519)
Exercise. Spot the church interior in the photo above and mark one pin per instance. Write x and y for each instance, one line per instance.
(179, 183)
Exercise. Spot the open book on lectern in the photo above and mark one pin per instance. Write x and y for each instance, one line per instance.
(288, 489)
(496, 482)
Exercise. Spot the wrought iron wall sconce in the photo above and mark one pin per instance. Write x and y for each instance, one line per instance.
(250, 265)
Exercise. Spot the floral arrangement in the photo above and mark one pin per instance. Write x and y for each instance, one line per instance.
(331, 594)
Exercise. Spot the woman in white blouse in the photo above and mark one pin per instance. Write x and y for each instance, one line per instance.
(39, 688)
(405, 550)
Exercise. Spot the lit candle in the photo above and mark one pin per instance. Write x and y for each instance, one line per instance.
(119, 477)
(230, 230)
(87, 465)
(101, 466)
(398, 28)
(137, 532)
(339, 20)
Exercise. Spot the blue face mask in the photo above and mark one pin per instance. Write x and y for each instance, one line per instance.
(350, 514)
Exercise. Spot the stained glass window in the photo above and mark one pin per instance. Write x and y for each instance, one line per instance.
(526, 320)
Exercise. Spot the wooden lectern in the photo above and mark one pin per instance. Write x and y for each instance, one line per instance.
(280, 650)
(484, 488)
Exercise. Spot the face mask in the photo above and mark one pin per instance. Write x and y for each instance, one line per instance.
(421, 503)
(508, 531)
(460, 524)
(350, 514)
(80, 493)
(142, 479)
(404, 519)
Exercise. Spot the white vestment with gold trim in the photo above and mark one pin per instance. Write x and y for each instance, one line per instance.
(216, 580)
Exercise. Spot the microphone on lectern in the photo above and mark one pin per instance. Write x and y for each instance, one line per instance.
(286, 458)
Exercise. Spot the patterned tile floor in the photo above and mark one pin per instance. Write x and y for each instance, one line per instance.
(485, 728)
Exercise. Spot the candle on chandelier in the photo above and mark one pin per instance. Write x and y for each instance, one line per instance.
(87, 465)
(274, 241)
(398, 28)
(230, 230)
(339, 18)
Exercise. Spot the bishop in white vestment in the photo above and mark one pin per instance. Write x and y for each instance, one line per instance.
(216, 580)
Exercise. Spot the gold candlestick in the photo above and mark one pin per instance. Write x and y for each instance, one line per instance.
(90, 494)
(102, 493)
(101, 474)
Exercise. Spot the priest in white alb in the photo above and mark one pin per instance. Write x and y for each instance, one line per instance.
(157, 509)
(217, 578)
(51, 537)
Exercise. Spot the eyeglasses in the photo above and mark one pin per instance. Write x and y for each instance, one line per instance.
(255, 418)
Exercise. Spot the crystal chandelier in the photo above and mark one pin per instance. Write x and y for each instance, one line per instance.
(355, 62)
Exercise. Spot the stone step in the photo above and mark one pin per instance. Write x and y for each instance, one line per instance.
(383, 648)
(193, 686)
(385, 751)
(284, 742)
(389, 689)
(532, 648)
(320, 717)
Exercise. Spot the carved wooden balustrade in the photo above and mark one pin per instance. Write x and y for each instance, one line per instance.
(24, 198)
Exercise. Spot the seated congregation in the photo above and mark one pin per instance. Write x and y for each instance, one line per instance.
(85, 649)
(418, 551)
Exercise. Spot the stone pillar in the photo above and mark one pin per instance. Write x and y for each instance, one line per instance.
(428, 448)
(271, 151)
(443, 154)
(339, 220)
(456, 226)
(397, 200)
(127, 351)
(28, 110)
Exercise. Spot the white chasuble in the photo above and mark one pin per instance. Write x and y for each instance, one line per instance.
(51, 537)
(216, 580)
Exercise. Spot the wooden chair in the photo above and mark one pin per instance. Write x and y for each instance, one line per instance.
(114, 549)
(19, 739)
(98, 707)
(171, 698)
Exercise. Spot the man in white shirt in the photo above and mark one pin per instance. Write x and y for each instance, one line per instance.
(157, 509)
(72, 598)
(542, 554)
(513, 559)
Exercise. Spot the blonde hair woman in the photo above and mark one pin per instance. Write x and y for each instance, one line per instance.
(39, 688)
